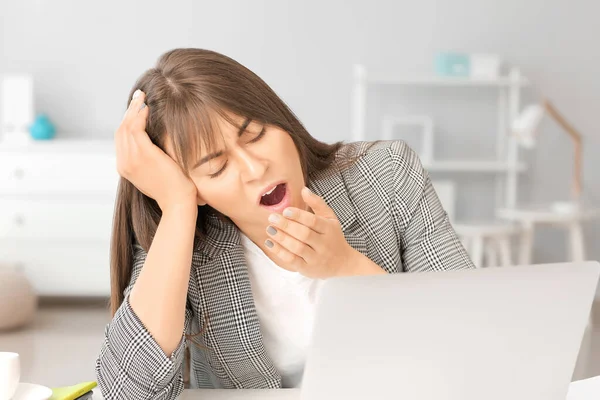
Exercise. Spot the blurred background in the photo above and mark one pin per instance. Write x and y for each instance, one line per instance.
(466, 83)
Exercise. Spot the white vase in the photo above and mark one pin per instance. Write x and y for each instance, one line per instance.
(18, 300)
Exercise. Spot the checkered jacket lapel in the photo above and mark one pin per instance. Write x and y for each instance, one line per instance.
(231, 332)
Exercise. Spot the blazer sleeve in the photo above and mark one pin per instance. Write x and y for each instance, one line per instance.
(428, 240)
(131, 364)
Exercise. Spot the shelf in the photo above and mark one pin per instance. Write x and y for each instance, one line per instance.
(470, 166)
(449, 81)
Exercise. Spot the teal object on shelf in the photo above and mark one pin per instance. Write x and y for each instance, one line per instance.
(42, 128)
(452, 64)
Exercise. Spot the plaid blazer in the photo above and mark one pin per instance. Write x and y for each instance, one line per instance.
(388, 210)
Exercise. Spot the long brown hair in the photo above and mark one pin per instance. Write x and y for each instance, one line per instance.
(180, 90)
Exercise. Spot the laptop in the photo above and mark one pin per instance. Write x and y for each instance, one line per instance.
(505, 333)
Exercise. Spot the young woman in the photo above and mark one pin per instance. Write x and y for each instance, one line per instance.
(228, 218)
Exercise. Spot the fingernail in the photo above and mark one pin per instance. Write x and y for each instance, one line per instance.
(137, 94)
(142, 106)
(274, 218)
(271, 230)
(268, 243)
(288, 213)
(308, 191)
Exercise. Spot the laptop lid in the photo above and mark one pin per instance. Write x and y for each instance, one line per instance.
(495, 333)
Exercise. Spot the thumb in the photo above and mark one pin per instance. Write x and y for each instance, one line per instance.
(317, 204)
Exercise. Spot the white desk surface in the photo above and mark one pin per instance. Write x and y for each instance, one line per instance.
(284, 394)
(588, 389)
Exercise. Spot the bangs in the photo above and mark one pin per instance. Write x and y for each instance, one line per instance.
(193, 129)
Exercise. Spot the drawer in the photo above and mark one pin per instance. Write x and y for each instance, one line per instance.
(57, 173)
(56, 219)
(61, 269)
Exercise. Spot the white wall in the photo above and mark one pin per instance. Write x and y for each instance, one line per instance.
(86, 55)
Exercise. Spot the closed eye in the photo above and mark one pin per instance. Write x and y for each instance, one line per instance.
(219, 172)
(259, 136)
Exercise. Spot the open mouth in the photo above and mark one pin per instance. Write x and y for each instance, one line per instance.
(274, 196)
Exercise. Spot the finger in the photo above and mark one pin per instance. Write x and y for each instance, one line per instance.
(317, 204)
(137, 100)
(137, 128)
(305, 218)
(291, 244)
(287, 257)
(139, 122)
(296, 230)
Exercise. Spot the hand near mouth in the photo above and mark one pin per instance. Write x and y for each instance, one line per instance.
(314, 244)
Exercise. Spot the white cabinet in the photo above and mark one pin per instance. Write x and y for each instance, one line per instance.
(56, 211)
(55, 219)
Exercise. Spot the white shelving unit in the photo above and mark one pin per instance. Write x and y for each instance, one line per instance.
(506, 165)
(487, 242)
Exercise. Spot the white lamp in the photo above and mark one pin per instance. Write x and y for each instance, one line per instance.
(525, 128)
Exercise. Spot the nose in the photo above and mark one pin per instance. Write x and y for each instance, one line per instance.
(252, 166)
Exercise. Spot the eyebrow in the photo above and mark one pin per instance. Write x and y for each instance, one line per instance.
(209, 157)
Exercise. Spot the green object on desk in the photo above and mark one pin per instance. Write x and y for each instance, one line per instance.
(72, 392)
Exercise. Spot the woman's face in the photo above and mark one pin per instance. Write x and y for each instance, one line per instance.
(253, 172)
